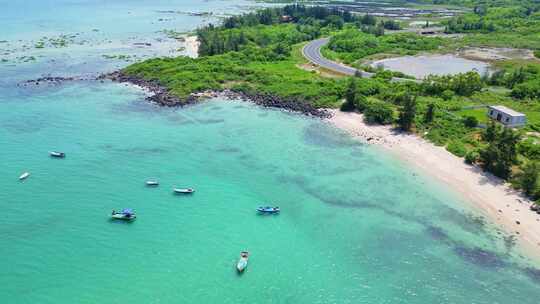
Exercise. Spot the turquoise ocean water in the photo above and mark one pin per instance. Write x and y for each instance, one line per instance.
(357, 226)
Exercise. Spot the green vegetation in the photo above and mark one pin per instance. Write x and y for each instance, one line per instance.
(501, 153)
(505, 23)
(260, 53)
(380, 112)
(350, 96)
(521, 77)
(350, 44)
(241, 71)
(529, 179)
(407, 113)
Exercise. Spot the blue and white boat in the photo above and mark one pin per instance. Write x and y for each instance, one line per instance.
(243, 261)
(126, 215)
(268, 210)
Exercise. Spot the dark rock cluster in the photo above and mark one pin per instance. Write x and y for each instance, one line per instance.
(273, 101)
(52, 80)
(161, 96)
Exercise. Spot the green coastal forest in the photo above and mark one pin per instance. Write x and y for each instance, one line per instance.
(260, 52)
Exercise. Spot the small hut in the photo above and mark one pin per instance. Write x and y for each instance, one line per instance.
(507, 116)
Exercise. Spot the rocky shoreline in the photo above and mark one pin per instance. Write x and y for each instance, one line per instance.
(161, 96)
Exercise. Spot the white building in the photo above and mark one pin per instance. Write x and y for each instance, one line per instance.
(507, 116)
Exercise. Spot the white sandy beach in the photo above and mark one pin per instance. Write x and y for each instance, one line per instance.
(488, 194)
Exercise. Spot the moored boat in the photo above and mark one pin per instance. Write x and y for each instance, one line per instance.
(57, 154)
(243, 261)
(152, 182)
(268, 210)
(23, 176)
(184, 190)
(126, 215)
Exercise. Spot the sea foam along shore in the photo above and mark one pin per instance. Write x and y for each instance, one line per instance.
(488, 194)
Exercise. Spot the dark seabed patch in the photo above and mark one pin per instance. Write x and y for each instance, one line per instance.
(210, 121)
(467, 221)
(134, 107)
(437, 233)
(533, 273)
(180, 119)
(134, 150)
(317, 134)
(228, 150)
(509, 242)
(24, 125)
(481, 257)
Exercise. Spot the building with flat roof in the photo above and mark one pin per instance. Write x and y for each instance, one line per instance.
(507, 116)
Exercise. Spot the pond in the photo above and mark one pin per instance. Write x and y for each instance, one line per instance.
(422, 66)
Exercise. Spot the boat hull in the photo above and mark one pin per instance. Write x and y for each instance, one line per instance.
(268, 210)
(57, 154)
(184, 191)
(242, 262)
(123, 217)
(241, 265)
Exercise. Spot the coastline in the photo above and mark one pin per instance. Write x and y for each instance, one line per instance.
(489, 195)
(160, 95)
(486, 193)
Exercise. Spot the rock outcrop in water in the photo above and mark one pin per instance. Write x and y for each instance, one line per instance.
(162, 96)
(53, 80)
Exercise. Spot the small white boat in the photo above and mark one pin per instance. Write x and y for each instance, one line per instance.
(57, 154)
(152, 182)
(184, 190)
(24, 176)
(243, 261)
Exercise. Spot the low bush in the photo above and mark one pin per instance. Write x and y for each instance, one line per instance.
(457, 148)
(470, 121)
(472, 157)
(379, 112)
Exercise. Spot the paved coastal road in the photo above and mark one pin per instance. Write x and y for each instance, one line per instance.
(312, 52)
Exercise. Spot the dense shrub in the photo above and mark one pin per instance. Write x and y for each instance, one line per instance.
(378, 112)
(472, 157)
(529, 148)
(529, 89)
(471, 121)
(351, 44)
(529, 179)
(464, 84)
(457, 148)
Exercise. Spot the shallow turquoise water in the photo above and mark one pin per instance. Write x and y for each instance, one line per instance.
(357, 226)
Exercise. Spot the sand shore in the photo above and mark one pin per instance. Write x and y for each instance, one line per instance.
(192, 46)
(488, 194)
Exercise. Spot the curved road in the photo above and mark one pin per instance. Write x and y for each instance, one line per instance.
(312, 52)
